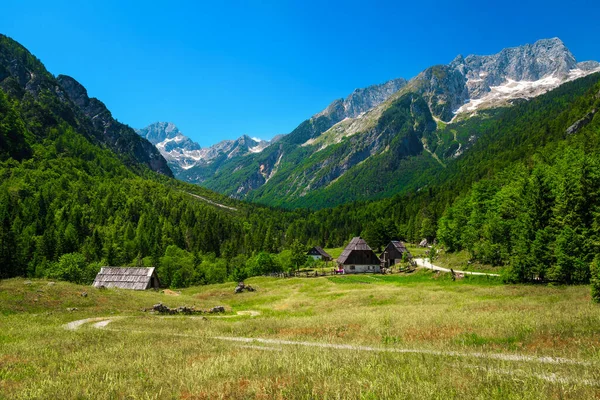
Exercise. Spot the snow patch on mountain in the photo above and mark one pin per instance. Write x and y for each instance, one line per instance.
(182, 152)
(511, 89)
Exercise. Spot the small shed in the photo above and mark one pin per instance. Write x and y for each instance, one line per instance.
(358, 257)
(393, 253)
(319, 254)
(127, 278)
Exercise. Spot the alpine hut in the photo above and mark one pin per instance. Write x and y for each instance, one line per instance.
(393, 253)
(319, 254)
(127, 278)
(358, 257)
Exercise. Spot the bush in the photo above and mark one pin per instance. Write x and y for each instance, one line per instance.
(73, 267)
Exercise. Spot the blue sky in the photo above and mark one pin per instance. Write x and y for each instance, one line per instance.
(222, 69)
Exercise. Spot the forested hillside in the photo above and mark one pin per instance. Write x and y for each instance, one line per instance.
(541, 215)
(398, 144)
(524, 195)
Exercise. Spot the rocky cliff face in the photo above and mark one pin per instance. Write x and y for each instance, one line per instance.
(473, 83)
(519, 72)
(22, 74)
(119, 137)
(361, 100)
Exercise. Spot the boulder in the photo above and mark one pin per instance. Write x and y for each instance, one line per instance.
(579, 124)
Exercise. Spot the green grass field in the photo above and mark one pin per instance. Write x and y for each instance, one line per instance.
(419, 335)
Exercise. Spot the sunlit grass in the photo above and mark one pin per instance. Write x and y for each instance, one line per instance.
(143, 355)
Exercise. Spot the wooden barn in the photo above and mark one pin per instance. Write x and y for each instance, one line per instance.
(358, 257)
(319, 254)
(393, 253)
(127, 278)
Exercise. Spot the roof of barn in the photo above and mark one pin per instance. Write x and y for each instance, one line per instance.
(124, 278)
(321, 251)
(357, 244)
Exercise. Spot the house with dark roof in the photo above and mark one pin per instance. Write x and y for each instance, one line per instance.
(127, 278)
(358, 257)
(393, 253)
(319, 254)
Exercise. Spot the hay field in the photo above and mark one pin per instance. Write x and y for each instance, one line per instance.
(418, 336)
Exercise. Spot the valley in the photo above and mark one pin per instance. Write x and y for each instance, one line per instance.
(490, 163)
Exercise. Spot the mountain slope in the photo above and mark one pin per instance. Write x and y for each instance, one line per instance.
(64, 100)
(240, 166)
(355, 158)
(74, 197)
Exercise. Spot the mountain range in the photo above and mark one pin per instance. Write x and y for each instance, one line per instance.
(379, 141)
(513, 180)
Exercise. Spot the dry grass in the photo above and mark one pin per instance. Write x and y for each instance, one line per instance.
(147, 356)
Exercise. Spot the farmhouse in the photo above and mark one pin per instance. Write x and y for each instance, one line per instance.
(127, 278)
(358, 257)
(393, 253)
(319, 254)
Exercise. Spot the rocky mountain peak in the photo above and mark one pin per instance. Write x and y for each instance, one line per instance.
(183, 154)
(76, 91)
(529, 62)
(517, 72)
(159, 131)
(362, 100)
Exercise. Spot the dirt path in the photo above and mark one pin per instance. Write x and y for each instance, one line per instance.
(423, 262)
(102, 322)
(492, 356)
(71, 326)
(214, 203)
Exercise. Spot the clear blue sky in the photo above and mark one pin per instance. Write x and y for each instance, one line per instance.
(221, 69)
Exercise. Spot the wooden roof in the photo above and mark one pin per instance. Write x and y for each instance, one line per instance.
(125, 278)
(394, 249)
(358, 252)
(400, 246)
(320, 251)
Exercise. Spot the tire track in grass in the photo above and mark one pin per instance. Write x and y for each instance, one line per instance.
(492, 356)
(104, 321)
(551, 377)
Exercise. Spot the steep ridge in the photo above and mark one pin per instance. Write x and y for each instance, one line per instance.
(347, 161)
(68, 198)
(238, 166)
(25, 77)
(242, 177)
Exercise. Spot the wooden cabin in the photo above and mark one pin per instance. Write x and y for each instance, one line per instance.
(358, 257)
(319, 254)
(127, 278)
(393, 253)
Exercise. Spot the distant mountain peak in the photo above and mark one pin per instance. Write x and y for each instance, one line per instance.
(182, 153)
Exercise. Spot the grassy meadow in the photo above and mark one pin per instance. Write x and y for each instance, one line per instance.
(419, 336)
